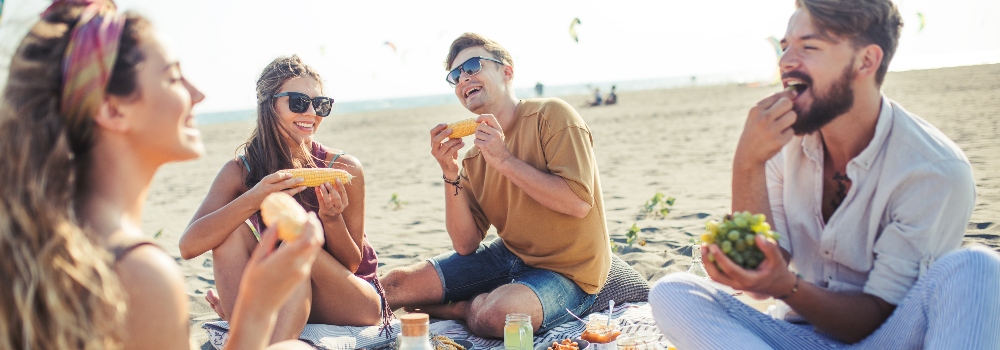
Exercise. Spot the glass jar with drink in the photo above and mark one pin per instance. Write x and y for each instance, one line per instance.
(517, 332)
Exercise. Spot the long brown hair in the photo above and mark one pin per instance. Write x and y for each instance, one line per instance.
(267, 150)
(62, 291)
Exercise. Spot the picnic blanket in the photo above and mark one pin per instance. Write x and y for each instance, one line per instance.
(633, 318)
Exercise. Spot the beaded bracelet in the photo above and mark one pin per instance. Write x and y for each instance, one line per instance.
(795, 288)
(457, 182)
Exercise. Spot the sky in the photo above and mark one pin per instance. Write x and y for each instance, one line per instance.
(224, 44)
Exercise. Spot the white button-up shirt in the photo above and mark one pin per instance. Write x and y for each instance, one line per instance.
(911, 197)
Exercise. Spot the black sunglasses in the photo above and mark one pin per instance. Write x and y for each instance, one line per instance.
(299, 103)
(471, 67)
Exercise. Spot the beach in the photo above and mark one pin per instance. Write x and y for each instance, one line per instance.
(678, 142)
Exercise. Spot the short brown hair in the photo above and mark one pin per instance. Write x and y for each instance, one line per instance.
(864, 22)
(468, 40)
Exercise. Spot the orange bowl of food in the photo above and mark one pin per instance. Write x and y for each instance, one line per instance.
(565, 344)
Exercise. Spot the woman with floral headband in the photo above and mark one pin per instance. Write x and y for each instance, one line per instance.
(94, 105)
(344, 289)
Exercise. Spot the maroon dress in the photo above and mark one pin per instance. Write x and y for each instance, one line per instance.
(369, 260)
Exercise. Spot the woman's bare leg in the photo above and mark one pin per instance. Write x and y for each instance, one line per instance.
(293, 315)
(336, 296)
(228, 261)
(341, 298)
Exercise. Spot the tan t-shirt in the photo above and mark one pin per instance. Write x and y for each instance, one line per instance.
(549, 135)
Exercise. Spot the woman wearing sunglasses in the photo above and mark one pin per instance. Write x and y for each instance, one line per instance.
(344, 289)
(94, 105)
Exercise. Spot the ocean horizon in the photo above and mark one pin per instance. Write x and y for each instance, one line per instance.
(349, 107)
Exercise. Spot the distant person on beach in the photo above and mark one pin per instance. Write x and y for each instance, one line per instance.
(94, 105)
(597, 98)
(871, 202)
(344, 289)
(612, 97)
(532, 176)
(539, 89)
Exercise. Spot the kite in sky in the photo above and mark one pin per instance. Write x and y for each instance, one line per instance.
(572, 29)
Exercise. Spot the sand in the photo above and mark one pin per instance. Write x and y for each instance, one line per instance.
(676, 141)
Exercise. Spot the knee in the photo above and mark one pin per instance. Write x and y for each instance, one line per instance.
(372, 317)
(977, 262)
(676, 291)
(486, 319)
(237, 246)
(397, 278)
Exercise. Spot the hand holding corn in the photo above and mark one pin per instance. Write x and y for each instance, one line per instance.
(281, 211)
(276, 182)
(317, 176)
(332, 199)
(275, 271)
(490, 141)
(445, 146)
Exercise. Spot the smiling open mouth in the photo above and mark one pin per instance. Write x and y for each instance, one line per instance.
(472, 91)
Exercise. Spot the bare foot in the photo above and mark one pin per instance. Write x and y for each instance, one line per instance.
(213, 300)
(450, 311)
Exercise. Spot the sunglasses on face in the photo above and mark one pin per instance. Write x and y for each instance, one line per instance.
(471, 67)
(299, 103)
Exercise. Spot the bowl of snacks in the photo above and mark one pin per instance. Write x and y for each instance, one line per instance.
(441, 342)
(565, 344)
(641, 341)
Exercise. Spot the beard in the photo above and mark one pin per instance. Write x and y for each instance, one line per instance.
(825, 108)
(479, 104)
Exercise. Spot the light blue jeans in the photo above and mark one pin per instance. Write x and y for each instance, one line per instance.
(954, 305)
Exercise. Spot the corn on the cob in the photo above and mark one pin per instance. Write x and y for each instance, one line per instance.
(318, 176)
(462, 128)
(281, 211)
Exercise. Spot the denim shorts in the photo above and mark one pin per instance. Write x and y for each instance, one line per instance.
(493, 265)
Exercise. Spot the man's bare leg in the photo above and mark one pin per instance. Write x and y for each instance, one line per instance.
(414, 285)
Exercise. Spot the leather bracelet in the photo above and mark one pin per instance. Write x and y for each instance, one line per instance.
(795, 288)
(457, 182)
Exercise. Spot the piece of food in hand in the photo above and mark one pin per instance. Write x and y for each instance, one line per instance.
(281, 211)
(318, 176)
(566, 344)
(462, 128)
(736, 234)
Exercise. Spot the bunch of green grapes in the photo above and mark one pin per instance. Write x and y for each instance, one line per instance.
(735, 236)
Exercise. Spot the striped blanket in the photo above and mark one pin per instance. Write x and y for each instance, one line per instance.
(634, 318)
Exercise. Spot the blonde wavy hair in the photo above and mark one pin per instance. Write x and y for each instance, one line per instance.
(63, 292)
